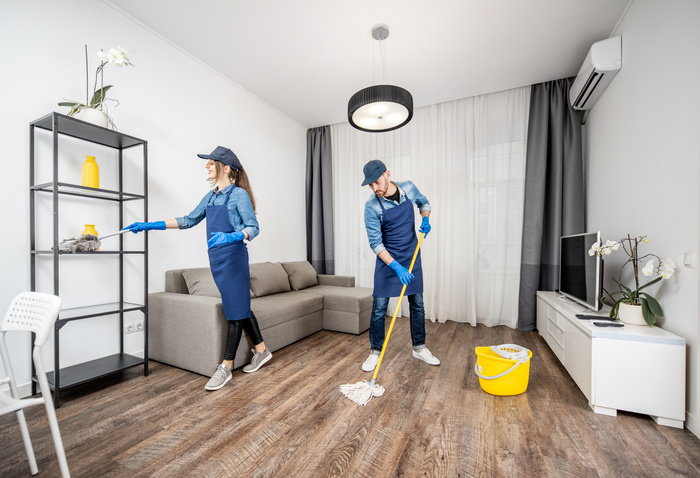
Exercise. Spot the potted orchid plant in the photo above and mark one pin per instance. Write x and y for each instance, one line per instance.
(631, 300)
(88, 110)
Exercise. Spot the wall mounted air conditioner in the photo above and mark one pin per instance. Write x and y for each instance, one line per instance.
(602, 63)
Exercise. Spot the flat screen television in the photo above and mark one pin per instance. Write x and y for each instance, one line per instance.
(581, 275)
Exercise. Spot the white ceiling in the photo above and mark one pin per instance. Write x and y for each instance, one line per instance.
(306, 58)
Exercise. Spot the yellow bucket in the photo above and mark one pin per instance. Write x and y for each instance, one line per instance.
(503, 369)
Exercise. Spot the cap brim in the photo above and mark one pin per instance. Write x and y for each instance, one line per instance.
(204, 156)
(370, 180)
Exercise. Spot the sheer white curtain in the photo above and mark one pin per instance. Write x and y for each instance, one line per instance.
(468, 158)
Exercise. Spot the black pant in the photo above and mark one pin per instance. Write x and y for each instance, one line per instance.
(235, 333)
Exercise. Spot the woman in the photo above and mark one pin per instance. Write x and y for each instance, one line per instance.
(230, 212)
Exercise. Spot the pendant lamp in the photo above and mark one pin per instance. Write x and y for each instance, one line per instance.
(380, 108)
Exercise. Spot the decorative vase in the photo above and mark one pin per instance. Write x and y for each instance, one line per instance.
(91, 173)
(94, 116)
(631, 314)
(90, 229)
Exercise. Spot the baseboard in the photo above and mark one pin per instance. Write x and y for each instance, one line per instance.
(692, 424)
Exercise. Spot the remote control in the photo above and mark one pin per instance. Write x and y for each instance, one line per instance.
(593, 317)
(608, 324)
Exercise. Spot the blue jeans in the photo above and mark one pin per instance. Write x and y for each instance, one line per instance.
(376, 323)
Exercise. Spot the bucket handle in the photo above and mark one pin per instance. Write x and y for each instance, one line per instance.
(476, 370)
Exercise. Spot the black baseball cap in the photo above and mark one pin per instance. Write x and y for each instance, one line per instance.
(224, 155)
(373, 170)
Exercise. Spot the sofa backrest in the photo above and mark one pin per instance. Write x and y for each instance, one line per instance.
(265, 278)
(175, 281)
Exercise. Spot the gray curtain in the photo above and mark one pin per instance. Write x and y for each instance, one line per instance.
(554, 195)
(319, 200)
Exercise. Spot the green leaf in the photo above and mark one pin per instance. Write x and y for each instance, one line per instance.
(648, 315)
(654, 306)
(99, 96)
(70, 103)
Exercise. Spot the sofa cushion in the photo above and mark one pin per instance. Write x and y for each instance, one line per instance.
(301, 274)
(268, 278)
(279, 308)
(200, 281)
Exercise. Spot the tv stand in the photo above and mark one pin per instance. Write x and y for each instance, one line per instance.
(632, 368)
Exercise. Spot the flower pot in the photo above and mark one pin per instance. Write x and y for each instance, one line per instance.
(631, 314)
(91, 115)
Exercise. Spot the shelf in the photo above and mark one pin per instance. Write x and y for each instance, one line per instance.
(88, 371)
(61, 253)
(83, 191)
(59, 127)
(77, 313)
(86, 131)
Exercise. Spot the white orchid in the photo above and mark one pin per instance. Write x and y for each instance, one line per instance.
(669, 267)
(119, 57)
(665, 269)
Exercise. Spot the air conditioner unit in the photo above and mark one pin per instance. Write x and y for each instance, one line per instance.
(602, 63)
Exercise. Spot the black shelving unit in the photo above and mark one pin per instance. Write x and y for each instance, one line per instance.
(59, 126)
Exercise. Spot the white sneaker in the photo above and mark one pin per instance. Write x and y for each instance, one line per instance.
(425, 355)
(371, 362)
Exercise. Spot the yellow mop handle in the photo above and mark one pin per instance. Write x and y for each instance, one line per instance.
(396, 311)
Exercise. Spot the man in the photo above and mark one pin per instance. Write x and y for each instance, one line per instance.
(390, 225)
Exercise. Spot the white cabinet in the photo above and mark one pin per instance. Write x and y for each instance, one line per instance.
(637, 369)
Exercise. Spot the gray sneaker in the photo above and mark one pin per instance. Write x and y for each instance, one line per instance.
(259, 358)
(219, 379)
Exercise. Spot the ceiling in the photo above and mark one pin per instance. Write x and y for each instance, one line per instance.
(305, 58)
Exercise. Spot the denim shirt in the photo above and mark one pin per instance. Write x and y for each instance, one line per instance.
(240, 211)
(374, 213)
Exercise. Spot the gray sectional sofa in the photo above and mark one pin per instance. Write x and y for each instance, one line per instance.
(187, 328)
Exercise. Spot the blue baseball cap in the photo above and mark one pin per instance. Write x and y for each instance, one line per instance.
(373, 170)
(224, 155)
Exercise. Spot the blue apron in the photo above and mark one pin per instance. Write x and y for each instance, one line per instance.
(399, 238)
(229, 264)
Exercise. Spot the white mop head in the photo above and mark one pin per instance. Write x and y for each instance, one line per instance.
(361, 392)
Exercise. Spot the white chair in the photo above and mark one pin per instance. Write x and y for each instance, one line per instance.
(31, 312)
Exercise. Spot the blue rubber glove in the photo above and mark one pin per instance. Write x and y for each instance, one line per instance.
(404, 276)
(219, 238)
(145, 226)
(425, 226)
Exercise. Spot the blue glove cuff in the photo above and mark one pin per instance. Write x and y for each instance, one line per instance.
(158, 225)
(395, 265)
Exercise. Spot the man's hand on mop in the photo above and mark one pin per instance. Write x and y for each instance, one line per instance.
(145, 226)
(425, 226)
(219, 238)
(404, 276)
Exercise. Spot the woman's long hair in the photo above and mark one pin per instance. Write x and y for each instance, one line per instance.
(237, 177)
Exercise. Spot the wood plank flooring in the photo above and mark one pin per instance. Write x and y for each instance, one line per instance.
(289, 420)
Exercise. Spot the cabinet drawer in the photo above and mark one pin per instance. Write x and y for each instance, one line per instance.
(556, 340)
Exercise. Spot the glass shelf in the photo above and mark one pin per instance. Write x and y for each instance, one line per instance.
(76, 190)
(61, 253)
(86, 312)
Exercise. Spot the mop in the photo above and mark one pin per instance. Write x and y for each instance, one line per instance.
(84, 243)
(362, 392)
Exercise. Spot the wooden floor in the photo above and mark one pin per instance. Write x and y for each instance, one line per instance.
(289, 420)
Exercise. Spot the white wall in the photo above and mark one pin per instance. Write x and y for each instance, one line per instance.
(643, 160)
(179, 106)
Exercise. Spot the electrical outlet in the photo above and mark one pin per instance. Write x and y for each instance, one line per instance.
(139, 326)
(129, 328)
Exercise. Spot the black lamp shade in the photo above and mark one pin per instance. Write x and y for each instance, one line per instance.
(380, 108)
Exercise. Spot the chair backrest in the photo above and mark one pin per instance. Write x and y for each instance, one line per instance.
(33, 312)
